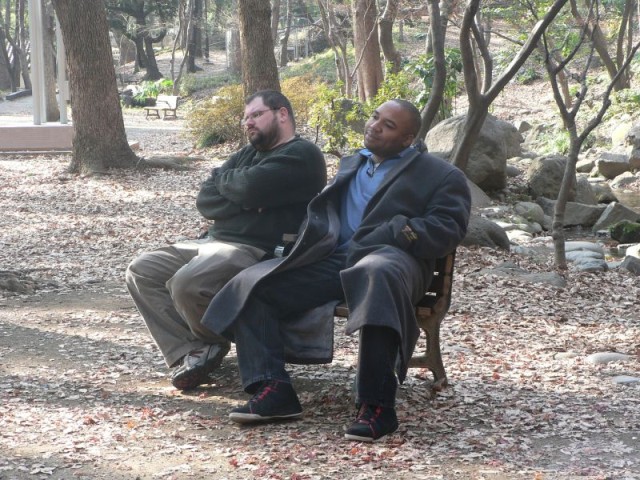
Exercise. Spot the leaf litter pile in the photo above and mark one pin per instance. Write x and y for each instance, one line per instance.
(84, 393)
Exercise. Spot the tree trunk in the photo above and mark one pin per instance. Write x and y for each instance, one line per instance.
(600, 43)
(48, 36)
(234, 52)
(153, 73)
(194, 37)
(99, 141)
(275, 20)
(436, 95)
(284, 43)
(338, 44)
(367, 49)
(21, 33)
(259, 69)
(385, 27)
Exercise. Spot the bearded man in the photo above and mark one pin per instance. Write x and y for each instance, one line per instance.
(257, 195)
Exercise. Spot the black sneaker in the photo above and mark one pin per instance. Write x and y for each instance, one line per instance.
(274, 400)
(372, 423)
(197, 366)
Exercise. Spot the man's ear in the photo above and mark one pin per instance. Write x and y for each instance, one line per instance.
(408, 140)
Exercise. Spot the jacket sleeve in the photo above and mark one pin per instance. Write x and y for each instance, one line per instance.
(211, 204)
(292, 176)
(436, 232)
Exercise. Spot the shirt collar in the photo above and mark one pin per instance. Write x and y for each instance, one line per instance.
(367, 153)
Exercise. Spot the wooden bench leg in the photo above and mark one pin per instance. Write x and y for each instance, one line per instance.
(432, 358)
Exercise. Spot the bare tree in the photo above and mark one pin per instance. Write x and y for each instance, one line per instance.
(368, 67)
(480, 98)
(599, 41)
(569, 114)
(284, 42)
(275, 20)
(436, 95)
(385, 27)
(338, 42)
(99, 141)
(259, 69)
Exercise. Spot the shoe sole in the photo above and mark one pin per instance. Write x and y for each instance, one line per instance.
(358, 438)
(194, 377)
(255, 418)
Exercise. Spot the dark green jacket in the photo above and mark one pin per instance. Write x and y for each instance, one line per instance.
(255, 197)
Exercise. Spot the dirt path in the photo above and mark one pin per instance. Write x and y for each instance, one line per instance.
(84, 392)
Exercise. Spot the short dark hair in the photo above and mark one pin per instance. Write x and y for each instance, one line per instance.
(416, 119)
(273, 99)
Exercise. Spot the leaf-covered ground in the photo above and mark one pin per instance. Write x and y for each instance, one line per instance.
(84, 393)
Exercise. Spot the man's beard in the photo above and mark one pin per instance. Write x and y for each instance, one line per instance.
(263, 140)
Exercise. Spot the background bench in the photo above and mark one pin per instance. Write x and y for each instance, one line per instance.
(168, 104)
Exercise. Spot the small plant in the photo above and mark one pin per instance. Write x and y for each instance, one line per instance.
(148, 91)
(424, 68)
(340, 119)
(217, 120)
(301, 92)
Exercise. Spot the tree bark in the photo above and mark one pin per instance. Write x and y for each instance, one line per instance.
(436, 95)
(367, 49)
(600, 43)
(259, 69)
(284, 43)
(99, 141)
(275, 20)
(338, 44)
(48, 36)
(385, 28)
(480, 100)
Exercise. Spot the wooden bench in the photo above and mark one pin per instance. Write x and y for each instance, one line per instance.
(430, 312)
(168, 104)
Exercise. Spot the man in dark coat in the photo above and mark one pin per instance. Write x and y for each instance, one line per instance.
(371, 237)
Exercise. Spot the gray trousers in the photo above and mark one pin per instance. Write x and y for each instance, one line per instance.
(172, 288)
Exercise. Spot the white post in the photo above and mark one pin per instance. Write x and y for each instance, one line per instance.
(37, 62)
(61, 60)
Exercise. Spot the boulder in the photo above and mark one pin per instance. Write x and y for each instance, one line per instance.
(632, 264)
(622, 180)
(610, 164)
(497, 141)
(531, 211)
(626, 232)
(614, 213)
(584, 192)
(575, 213)
(602, 191)
(485, 233)
(544, 176)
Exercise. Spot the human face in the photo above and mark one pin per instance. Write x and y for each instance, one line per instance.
(388, 131)
(263, 131)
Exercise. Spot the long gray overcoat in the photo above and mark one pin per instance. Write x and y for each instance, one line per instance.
(419, 213)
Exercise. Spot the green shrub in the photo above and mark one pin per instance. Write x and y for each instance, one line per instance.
(301, 92)
(192, 83)
(217, 120)
(340, 119)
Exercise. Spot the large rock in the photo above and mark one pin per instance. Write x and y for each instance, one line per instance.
(602, 191)
(614, 213)
(485, 233)
(584, 192)
(544, 176)
(497, 141)
(626, 232)
(610, 165)
(575, 213)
